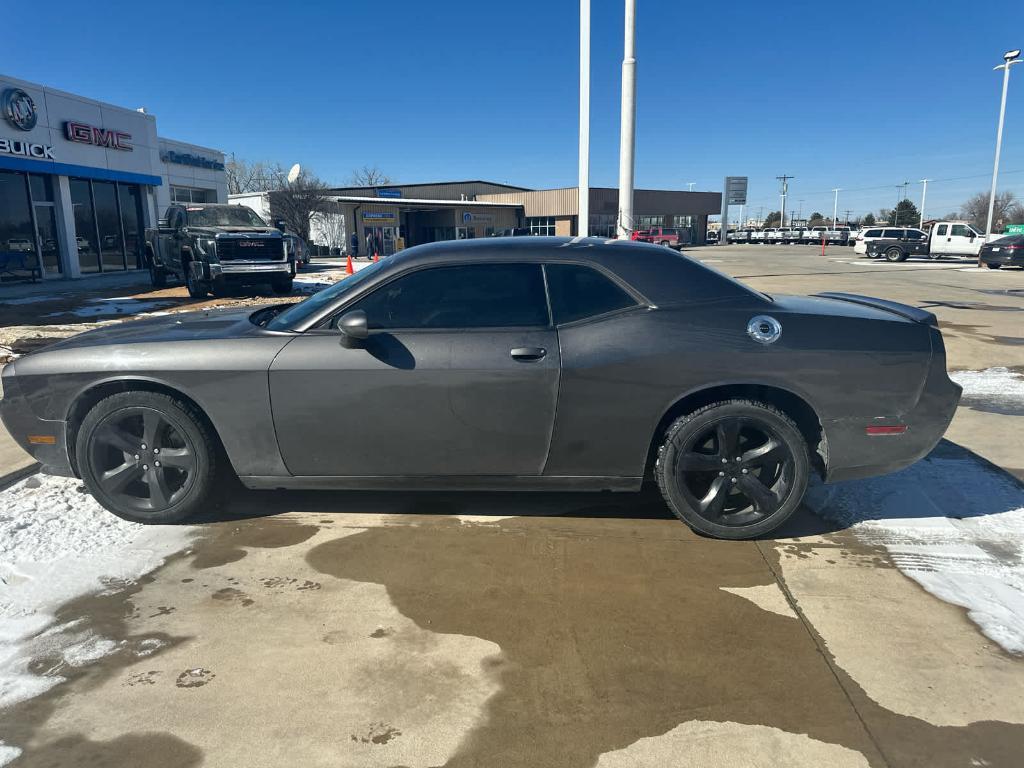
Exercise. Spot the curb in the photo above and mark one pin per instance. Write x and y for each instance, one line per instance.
(10, 478)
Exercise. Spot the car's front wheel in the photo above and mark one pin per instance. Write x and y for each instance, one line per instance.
(734, 469)
(895, 254)
(147, 457)
(993, 266)
(196, 288)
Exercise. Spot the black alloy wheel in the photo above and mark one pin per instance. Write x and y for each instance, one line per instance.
(734, 469)
(196, 288)
(894, 254)
(146, 457)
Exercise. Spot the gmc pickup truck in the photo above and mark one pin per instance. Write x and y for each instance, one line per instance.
(211, 247)
(945, 238)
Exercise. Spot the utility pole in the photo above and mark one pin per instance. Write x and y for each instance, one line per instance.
(785, 191)
(1009, 58)
(689, 186)
(760, 215)
(847, 212)
(924, 196)
(583, 219)
(627, 130)
(835, 207)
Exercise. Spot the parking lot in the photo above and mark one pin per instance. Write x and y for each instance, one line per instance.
(883, 626)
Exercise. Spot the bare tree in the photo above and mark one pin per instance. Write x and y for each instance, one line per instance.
(368, 176)
(244, 176)
(328, 228)
(975, 210)
(296, 202)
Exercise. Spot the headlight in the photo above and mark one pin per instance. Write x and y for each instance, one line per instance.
(207, 247)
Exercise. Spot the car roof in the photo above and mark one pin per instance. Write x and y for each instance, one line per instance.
(662, 275)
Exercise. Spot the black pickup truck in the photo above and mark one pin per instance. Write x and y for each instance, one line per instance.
(899, 249)
(211, 247)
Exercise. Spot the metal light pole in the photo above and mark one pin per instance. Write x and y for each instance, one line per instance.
(924, 197)
(1009, 58)
(689, 186)
(835, 207)
(785, 190)
(583, 218)
(627, 130)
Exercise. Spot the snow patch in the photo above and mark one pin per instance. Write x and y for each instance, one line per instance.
(8, 754)
(117, 305)
(57, 543)
(992, 382)
(951, 523)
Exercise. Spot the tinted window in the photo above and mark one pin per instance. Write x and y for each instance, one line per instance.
(578, 292)
(873, 233)
(941, 230)
(892, 233)
(960, 230)
(470, 296)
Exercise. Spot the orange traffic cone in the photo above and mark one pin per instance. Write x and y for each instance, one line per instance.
(348, 266)
(375, 256)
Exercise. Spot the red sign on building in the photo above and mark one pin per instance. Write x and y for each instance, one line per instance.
(100, 137)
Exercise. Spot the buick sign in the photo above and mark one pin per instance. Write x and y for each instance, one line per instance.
(19, 109)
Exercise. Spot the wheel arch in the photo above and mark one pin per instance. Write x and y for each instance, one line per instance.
(790, 403)
(85, 400)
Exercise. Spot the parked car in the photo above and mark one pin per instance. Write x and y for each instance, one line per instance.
(946, 238)
(1007, 251)
(711, 238)
(211, 247)
(870, 234)
(578, 375)
(670, 236)
(757, 236)
(20, 245)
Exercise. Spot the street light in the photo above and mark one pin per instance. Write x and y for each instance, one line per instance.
(1009, 58)
(835, 207)
(924, 196)
(689, 186)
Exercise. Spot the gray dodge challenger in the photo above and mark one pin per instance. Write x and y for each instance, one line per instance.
(533, 363)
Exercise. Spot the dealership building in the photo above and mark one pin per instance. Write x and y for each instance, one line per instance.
(423, 213)
(80, 180)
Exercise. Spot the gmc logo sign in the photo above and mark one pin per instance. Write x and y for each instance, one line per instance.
(100, 137)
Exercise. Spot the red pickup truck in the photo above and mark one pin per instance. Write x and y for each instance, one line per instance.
(669, 236)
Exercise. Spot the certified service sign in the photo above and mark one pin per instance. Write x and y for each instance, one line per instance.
(19, 109)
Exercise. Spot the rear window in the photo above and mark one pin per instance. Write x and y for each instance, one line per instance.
(873, 233)
(578, 292)
(892, 233)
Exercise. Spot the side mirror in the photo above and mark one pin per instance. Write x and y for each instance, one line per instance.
(280, 224)
(353, 328)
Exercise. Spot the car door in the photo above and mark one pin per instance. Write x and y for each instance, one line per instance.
(458, 376)
(941, 241)
(962, 240)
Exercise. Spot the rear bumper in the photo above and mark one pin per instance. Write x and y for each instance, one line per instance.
(43, 440)
(1009, 259)
(854, 454)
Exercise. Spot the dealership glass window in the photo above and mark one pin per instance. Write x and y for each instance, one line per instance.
(85, 226)
(541, 225)
(602, 225)
(130, 199)
(108, 218)
(193, 195)
(687, 226)
(17, 235)
(647, 222)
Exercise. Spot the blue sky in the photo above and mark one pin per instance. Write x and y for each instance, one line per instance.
(854, 95)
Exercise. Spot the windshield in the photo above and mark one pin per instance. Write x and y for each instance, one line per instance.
(297, 314)
(224, 216)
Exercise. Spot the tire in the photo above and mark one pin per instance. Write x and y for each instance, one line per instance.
(724, 509)
(196, 289)
(895, 254)
(993, 266)
(281, 285)
(142, 490)
(157, 275)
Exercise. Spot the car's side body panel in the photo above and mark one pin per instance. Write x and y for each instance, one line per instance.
(416, 403)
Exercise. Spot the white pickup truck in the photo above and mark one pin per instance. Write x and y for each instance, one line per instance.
(945, 238)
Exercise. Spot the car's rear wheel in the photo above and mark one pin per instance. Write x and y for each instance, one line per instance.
(734, 469)
(993, 266)
(147, 457)
(895, 254)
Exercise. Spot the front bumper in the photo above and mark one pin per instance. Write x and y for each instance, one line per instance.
(42, 439)
(232, 268)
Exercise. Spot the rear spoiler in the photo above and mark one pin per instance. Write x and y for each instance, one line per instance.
(903, 310)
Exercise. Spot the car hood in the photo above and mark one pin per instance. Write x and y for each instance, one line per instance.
(180, 326)
(214, 231)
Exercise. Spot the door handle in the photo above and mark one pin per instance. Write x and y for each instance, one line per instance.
(528, 354)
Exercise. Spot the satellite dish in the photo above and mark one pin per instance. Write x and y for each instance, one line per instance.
(293, 174)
